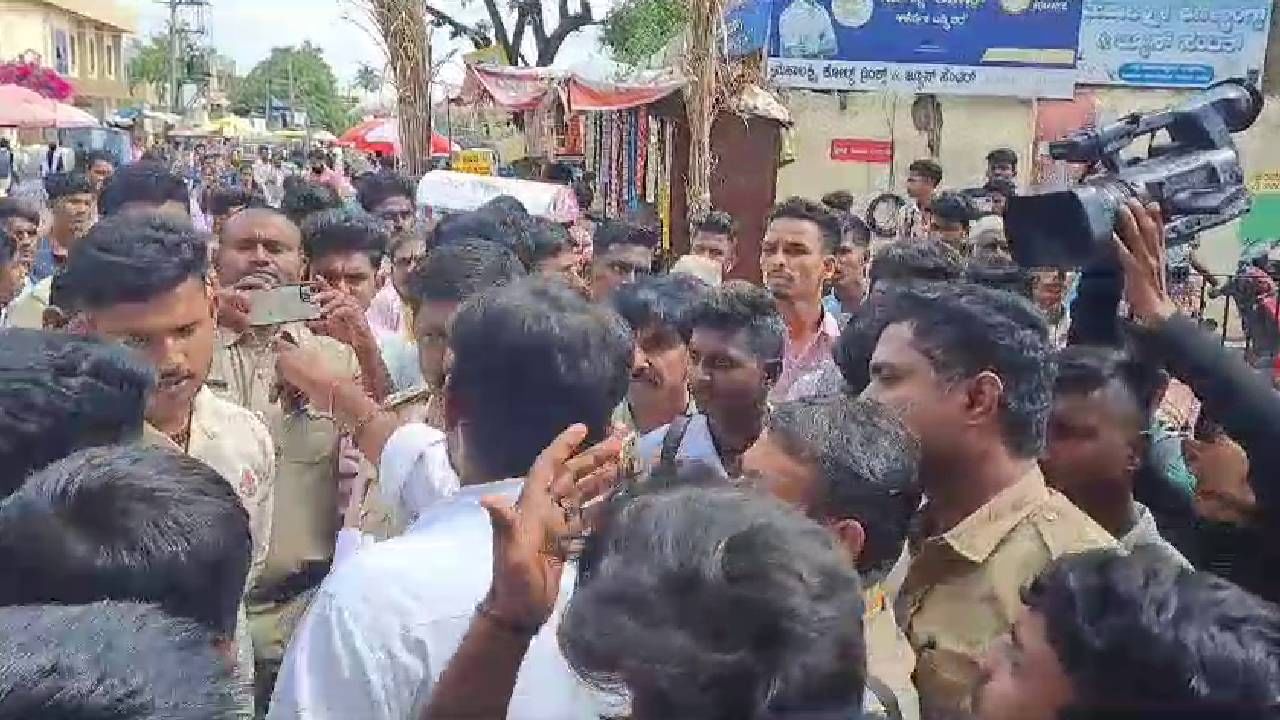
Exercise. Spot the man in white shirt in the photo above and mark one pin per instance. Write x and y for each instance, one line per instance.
(735, 355)
(529, 359)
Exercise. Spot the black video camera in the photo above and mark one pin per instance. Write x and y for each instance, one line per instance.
(1195, 177)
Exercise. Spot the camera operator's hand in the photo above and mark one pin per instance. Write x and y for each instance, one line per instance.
(1139, 244)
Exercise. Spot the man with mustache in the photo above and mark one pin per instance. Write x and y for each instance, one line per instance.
(142, 280)
(75, 209)
(797, 258)
(659, 311)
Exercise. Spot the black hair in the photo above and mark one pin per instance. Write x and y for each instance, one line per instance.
(867, 462)
(547, 239)
(143, 183)
(456, 272)
(131, 259)
(915, 260)
(530, 359)
(303, 197)
(966, 329)
(377, 188)
(1001, 186)
(345, 231)
(558, 173)
(718, 222)
(88, 159)
(584, 194)
(952, 207)
(927, 168)
(1084, 369)
(855, 231)
(62, 393)
(504, 205)
(1003, 156)
(839, 200)
(667, 301)
(739, 306)
(798, 208)
(222, 200)
(13, 207)
(128, 522)
(735, 589)
(609, 233)
(110, 661)
(998, 272)
(60, 185)
(495, 224)
(8, 248)
(1142, 637)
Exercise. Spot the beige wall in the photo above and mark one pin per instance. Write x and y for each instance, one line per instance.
(971, 127)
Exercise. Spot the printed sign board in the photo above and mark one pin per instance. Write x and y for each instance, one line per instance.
(966, 47)
(1172, 43)
(876, 152)
(473, 162)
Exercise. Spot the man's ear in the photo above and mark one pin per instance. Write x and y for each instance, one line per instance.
(982, 401)
(852, 536)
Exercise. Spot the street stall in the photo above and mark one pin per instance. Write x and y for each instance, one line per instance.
(446, 191)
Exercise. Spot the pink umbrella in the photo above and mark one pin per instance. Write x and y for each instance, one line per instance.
(20, 107)
(383, 135)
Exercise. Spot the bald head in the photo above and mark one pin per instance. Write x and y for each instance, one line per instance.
(262, 243)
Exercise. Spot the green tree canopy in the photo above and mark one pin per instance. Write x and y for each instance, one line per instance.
(150, 63)
(314, 88)
(635, 30)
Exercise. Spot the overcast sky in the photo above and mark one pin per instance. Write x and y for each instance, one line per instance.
(246, 30)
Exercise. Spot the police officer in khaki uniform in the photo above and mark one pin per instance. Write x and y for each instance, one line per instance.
(967, 367)
(260, 249)
(142, 280)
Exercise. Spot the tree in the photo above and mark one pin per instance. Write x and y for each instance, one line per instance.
(408, 44)
(529, 23)
(300, 73)
(368, 78)
(150, 63)
(636, 30)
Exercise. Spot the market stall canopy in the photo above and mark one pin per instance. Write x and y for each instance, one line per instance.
(23, 108)
(127, 116)
(232, 126)
(460, 192)
(527, 88)
(382, 135)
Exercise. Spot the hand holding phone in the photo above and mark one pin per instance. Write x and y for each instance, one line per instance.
(284, 304)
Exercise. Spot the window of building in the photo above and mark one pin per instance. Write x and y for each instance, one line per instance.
(73, 63)
(91, 52)
(110, 58)
(61, 51)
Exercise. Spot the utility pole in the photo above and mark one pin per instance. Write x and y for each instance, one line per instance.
(178, 31)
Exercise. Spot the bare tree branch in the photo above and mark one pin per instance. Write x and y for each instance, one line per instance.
(477, 36)
(568, 25)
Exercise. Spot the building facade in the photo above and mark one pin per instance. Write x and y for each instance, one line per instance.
(83, 40)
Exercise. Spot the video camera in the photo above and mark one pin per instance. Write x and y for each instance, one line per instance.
(1195, 177)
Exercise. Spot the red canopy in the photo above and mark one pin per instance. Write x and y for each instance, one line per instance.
(527, 88)
(382, 135)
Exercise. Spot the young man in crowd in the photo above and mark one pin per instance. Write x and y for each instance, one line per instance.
(98, 166)
(222, 202)
(553, 253)
(13, 275)
(1097, 443)
(1104, 635)
(166, 529)
(75, 210)
(322, 174)
(63, 393)
(123, 661)
(735, 355)
(20, 220)
(797, 258)
(970, 370)
(389, 313)
(146, 187)
(923, 179)
(261, 249)
(622, 252)
(1002, 164)
(849, 283)
(949, 217)
(715, 237)
(529, 360)
(660, 311)
(344, 250)
(390, 198)
(850, 465)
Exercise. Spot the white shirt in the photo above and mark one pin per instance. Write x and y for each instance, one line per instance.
(696, 445)
(383, 626)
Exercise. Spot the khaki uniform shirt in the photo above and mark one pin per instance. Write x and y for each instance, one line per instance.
(963, 588)
(235, 443)
(421, 405)
(304, 521)
(28, 310)
(890, 658)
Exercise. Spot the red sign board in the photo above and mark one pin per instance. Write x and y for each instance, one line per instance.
(878, 152)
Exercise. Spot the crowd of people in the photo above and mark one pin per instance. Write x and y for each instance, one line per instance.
(495, 466)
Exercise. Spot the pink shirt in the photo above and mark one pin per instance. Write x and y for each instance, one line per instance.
(804, 366)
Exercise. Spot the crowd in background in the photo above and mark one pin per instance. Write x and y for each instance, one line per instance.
(497, 466)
